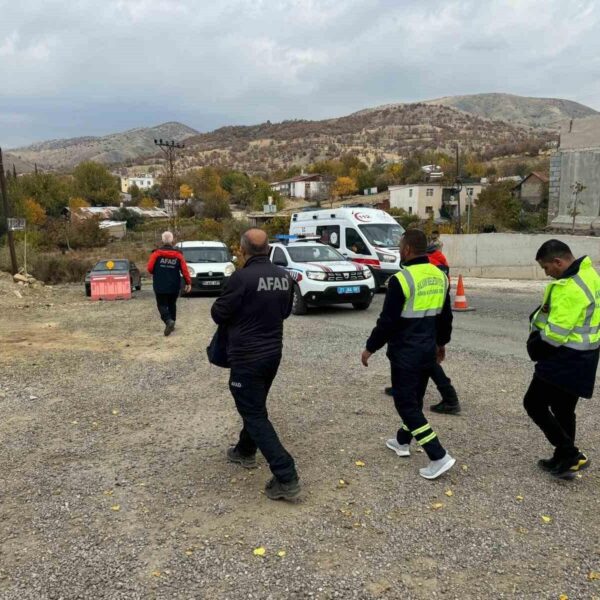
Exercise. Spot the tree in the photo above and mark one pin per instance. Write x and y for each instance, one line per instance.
(147, 202)
(261, 193)
(185, 191)
(496, 206)
(132, 219)
(217, 209)
(343, 186)
(33, 212)
(407, 221)
(93, 182)
(135, 193)
(48, 190)
(77, 203)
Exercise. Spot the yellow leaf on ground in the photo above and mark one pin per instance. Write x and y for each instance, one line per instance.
(465, 468)
(189, 552)
(260, 551)
(519, 498)
(437, 505)
(359, 463)
(108, 493)
(281, 553)
(342, 483)
(563, 597)
(546, 519)
(449, 493)
(74, 422)
(115, 411)
(156, 573)
(116, 507)
(593, 576)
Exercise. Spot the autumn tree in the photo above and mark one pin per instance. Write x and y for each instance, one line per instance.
(148, 202)
(33, 212)
(77, 203)
(343, 186)
(185, 191)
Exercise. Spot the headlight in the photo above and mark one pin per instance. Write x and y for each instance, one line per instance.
(192, 272)
(318, 275)
(366, 272)
(387, 258)
(229, 270)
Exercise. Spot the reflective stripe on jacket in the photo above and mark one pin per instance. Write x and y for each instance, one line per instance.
(424, 287)
(570, 312)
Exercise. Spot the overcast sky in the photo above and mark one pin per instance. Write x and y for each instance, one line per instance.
(89, 67)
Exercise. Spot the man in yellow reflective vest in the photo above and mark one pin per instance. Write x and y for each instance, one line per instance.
(564, 343)
(416, 324)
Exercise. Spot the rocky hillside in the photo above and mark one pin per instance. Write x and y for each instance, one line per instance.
(534, 112)
(389, 132)
(115, 148)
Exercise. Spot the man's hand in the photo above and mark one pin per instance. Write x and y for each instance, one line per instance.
(440, 354)
(188, 288)
(365, 356)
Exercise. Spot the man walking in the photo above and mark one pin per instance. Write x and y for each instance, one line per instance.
(167, 265)
(252, 308)
(416, 324)
(564, 343)
(449, 403)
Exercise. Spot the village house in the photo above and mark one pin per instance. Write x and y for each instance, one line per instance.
(532, 190)
(143, 182)
(308, 187)
(433, 200)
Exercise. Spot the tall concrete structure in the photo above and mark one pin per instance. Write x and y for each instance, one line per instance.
(577, 159)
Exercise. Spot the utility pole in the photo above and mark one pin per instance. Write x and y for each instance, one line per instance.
(9, 233)
(576, 188)
(457, 189)
(169, 149)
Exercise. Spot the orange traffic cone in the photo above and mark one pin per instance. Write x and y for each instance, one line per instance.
(460, 300)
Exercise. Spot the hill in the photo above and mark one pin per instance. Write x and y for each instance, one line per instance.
(385, 133)
(115, 148)
(520, 110)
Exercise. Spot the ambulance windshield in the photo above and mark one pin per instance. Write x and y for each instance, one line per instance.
(383, 235)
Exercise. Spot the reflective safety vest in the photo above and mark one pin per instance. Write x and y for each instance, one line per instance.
(570, 311)
(424, 288)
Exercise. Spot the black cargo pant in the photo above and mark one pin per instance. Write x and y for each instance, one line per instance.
(167, 306)
(409, 387)
(443, 384)
(553, 411)
(250, 384)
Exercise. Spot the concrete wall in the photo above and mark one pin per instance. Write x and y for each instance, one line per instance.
(508, 255)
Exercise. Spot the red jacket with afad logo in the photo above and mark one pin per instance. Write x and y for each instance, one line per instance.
(167, 266)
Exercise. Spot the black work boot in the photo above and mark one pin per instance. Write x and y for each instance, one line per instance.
(169, 327)
(389, 391)
(234, 456)
(547, 464)
(566, 468)
(449, 404)
(277, 490)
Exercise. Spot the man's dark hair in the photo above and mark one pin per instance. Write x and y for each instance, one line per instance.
(251, 248)
(553, 249)
(416, 239)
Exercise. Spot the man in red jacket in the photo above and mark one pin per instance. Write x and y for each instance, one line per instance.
(167, 265)
(449, 403)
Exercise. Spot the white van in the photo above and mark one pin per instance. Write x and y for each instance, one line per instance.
(210, 264)
(368, 236)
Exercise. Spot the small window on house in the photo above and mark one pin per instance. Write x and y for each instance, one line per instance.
(469, 191)
(410, 209)
(429, 210)
(429, 192)
(410, 192)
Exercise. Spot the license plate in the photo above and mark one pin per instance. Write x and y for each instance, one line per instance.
(349, 290)
(211, 283)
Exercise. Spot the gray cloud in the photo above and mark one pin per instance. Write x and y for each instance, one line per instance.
(92, 67)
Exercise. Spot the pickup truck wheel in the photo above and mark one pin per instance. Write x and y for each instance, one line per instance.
(361, 305)
(299, 305)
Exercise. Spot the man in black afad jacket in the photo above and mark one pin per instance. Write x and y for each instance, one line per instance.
(253, 307)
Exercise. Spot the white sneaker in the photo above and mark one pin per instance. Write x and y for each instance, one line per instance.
(399, 449)
(437, 467)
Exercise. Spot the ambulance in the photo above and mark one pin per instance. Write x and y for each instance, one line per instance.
(367, 236)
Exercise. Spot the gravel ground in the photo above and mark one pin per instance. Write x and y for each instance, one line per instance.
(114, 483)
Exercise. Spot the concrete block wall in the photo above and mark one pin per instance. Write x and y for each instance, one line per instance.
(508, 255)
(554, 186)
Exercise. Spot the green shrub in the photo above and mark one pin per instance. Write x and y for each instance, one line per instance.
(58, 268)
